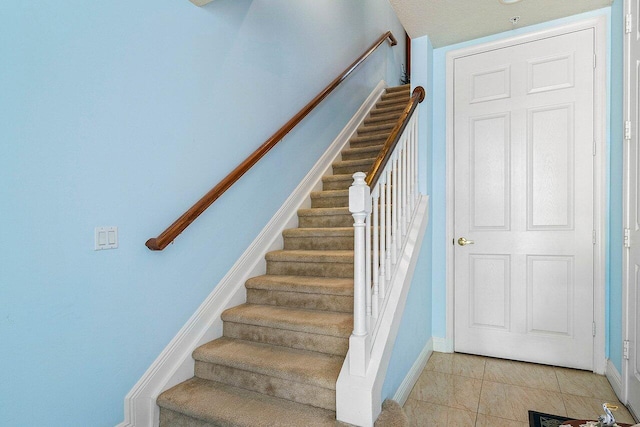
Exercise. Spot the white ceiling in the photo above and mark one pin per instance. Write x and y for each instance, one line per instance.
(452, 21)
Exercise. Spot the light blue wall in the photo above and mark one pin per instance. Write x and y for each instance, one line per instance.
(415, 327)
(614, 148)
(124, 113)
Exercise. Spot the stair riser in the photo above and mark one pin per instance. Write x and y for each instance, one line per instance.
(337, 185)
(381, 119)
(330, 202)
(293, 339)
(389, 109)
(400, 103)
(379, 128)
(339, 303)
(396, 95)
(351, 169)
(361, 155)
(319, 243)
(277, 387)
(321, 269)
(171, 418)
(362, 142)
(321, 221)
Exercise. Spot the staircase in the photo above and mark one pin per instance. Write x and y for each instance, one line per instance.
(281, 352)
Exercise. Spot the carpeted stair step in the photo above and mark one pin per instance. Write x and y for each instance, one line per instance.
(375, 128)
(301, 376)
(330, 198)
(370, 152)
(352, 166)
(392, 109)
(399, 103)
(337, 182)
(322, 331)
(313, 293)
(319, 238)
(202, 403)
(324, 217)
(403, 94)
(401, 88)
(332, 263)
(368, 140)
(382, 118)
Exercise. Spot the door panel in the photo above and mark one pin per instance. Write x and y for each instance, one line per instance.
(523, 138)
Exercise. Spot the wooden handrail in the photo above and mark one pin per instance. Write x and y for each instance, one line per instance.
(168, 235)
(392, 140)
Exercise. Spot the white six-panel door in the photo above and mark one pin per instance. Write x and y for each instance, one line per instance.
(523, 149)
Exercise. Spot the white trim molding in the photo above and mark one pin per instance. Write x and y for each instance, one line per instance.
(615, 379)
(442, 345)
(599, 24)
(402, 394)
(175, 363)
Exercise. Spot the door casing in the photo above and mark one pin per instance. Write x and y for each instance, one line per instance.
(599, 25)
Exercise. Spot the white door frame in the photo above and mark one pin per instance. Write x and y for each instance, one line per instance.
(599, 24)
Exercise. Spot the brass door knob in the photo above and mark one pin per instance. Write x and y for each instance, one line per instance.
(464, 242)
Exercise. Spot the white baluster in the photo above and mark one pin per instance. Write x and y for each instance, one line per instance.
(388, 240)
(394, 209)
(359, 342)
(375, 201)
(367, 266)
(383, 233)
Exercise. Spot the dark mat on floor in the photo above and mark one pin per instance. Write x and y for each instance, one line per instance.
(538, 419)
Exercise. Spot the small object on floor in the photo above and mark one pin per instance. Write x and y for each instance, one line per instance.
(607, 420)
(539, 419)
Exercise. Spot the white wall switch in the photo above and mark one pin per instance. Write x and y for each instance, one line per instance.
(106, 238)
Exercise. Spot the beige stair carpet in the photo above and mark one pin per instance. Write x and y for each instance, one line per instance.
(281, 352)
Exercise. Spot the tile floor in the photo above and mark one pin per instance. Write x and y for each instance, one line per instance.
(462, 390)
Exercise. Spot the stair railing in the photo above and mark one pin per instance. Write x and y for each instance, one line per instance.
(382, 203)
(168, 235)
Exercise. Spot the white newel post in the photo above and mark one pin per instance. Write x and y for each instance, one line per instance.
(359, 342)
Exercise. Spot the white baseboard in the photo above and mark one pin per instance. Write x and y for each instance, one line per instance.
(441, 345)
(615, 379)
(402, 394)
(175, 363)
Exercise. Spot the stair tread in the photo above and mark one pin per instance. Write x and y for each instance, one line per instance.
(280, 362)
(367, 149)
(338, 177)
(303, 284)
(330, 193)
(292, 319)
(221, 404)
(324, 211)
(306, 255)
(318, 232)
(342, 163)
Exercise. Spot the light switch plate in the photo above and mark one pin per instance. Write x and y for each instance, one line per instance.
(106, 238)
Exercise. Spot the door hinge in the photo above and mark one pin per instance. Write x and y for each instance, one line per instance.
(593, 236)
(627, 238)
(625, 349)
(595, 144)
(593, 328)
(628, 23)
(594, 60)
(627, 129)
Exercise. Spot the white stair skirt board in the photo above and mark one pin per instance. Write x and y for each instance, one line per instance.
(359, 399)
(615, 379)
(403, 392)
(175, 364)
